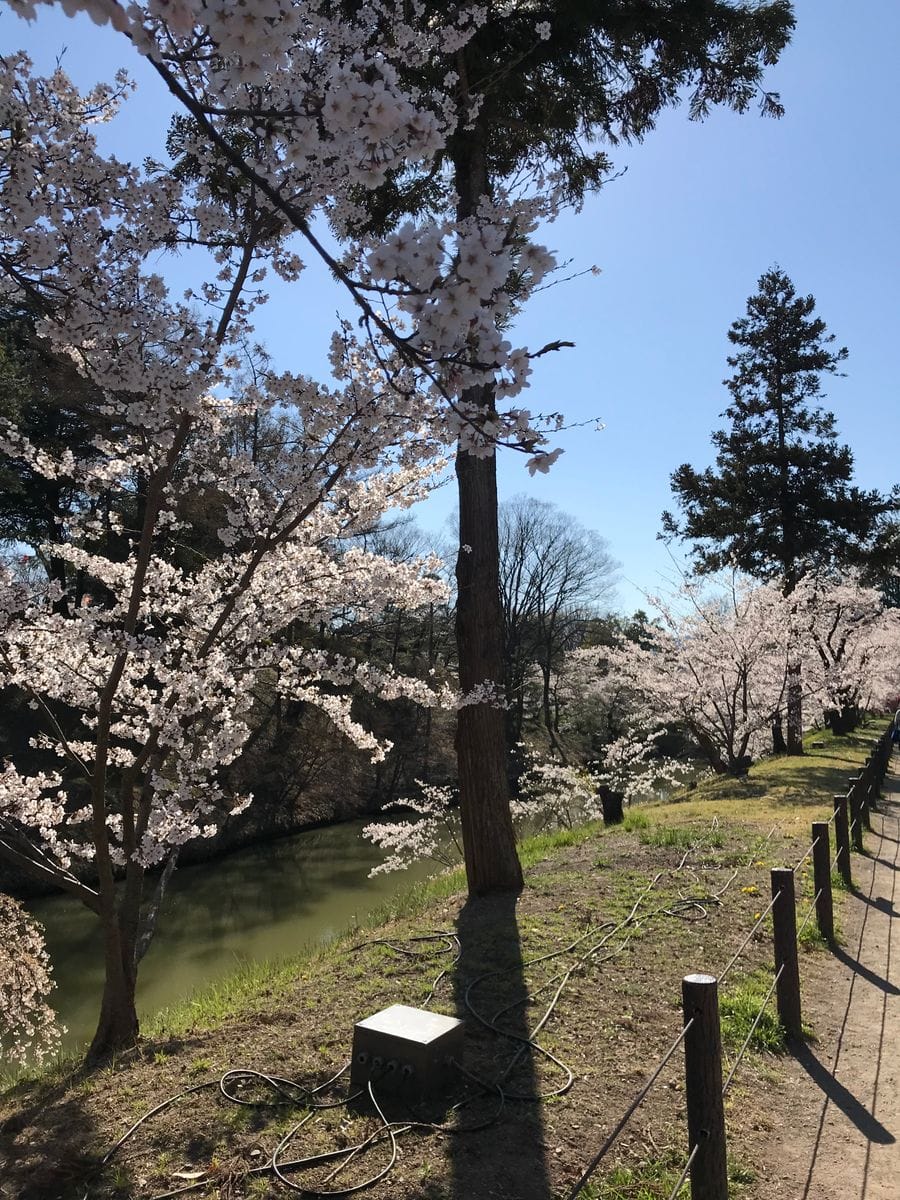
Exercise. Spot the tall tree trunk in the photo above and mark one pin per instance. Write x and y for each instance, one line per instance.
(547, 709)
(489, 844)
(794, 711)
(779, 745)
(117, 1028)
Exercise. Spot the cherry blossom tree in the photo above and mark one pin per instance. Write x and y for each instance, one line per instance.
(605, 720)
(144, 686)
(28, 1028)
(314, 103)
(851, 644)
(715, 664)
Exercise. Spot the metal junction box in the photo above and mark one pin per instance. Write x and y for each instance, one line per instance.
(406, 1050)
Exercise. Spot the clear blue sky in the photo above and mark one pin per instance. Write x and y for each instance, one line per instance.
(701, 212)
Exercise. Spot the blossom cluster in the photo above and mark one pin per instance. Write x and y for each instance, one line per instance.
(434, 833)
(28, 1027)
(718, 658)
(326, 113)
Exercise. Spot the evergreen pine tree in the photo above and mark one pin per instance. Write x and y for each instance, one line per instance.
(779, 502)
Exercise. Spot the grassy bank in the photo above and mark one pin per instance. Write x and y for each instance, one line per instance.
(696, 869)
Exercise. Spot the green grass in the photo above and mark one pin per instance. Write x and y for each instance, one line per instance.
(680, 837)
(654, 1179)
(635, 821)
(806, 781)
(738, 1007)
(810, 938)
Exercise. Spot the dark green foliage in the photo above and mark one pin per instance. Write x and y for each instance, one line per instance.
(604, 75)
(608, 70)
(779, 502)
(43, 395)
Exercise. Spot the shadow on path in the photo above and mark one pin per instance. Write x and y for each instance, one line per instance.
(870, 976)
(867, 1124)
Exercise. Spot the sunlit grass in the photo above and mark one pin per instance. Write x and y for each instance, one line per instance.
(739, 1005)
(783, 790)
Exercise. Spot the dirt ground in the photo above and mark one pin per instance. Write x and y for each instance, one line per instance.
(835, 1116)
(820, 1125)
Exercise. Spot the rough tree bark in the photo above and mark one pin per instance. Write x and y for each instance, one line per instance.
(794, 710)
(489, 846)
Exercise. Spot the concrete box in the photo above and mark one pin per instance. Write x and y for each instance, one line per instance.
(407, 1051)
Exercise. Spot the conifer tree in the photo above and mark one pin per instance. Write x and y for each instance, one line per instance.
(780, 502)
(547, 83)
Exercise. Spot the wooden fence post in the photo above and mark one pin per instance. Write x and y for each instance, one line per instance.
(703, 1087)
(784, 927)
(842, 839)
(869, 776)
(822, 880)
(856, 818)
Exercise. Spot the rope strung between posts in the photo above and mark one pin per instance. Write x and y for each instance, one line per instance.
(756, 1020)
(806, 856)
(810, 912)
(628, 1114)
(684, 1174)
(746, 942)
(760, 845)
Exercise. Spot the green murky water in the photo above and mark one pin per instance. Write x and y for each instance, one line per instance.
(265, 902)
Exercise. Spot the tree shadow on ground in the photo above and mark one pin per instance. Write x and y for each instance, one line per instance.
(51, 1147)
(507, 1158)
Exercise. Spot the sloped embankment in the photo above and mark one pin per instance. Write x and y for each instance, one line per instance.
(593, 952)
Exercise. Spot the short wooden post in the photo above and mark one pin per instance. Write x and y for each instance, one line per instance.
(856, 817)
(784, 928)
(822, 880)
(842, 839)
(868, 785)
(703, 1087)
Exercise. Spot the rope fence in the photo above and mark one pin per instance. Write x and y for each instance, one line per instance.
(807, 855)
(747, 1040)
(684, 1174)
(749, 938)
(701, 1036)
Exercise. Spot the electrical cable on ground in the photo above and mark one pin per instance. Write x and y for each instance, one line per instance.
(289, 1092)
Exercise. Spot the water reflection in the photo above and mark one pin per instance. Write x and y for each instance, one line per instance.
(264, 902)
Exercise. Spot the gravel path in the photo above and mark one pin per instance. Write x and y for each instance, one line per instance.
(837, 1118)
